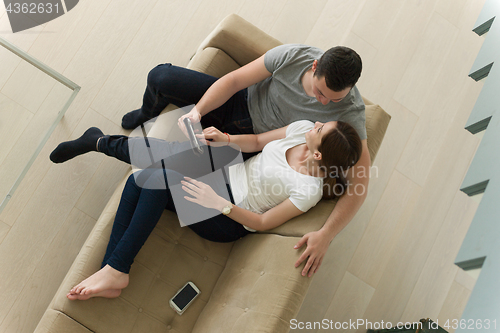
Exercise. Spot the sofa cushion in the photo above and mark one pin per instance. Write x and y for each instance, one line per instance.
(257, 289)
(213, 62)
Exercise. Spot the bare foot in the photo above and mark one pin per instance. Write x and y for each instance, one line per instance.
(111, 293)
(105, 279)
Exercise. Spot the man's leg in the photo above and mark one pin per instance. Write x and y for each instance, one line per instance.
(70, 149)
(182, 87)
(152, 153)
(147, 153)
(92, 140)
(168, 84)
(232, 117)
(136, 150)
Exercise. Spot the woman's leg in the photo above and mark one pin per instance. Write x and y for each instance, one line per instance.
(148, 210)
(127, 239)
(123, 217)
(137, 215)
(220, 229)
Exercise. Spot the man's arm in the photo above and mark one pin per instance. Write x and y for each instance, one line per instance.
(344, 211)
(231, 83)
(227, 86)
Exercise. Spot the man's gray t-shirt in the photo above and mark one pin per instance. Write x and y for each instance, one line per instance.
(280, 99)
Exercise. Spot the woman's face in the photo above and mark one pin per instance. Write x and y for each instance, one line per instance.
(315, 135)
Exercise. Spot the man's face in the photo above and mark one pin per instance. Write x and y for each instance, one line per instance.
(324, 95)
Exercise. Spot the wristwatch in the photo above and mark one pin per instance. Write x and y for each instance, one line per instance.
(227, 209)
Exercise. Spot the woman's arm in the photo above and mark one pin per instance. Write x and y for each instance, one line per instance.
(248, 143)
(273, 218)
(205, 196)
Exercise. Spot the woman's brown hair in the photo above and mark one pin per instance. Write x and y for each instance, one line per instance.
(340, 150)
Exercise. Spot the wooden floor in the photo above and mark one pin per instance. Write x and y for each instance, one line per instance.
(394, 261)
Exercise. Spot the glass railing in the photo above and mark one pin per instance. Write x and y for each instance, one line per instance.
(33, 99)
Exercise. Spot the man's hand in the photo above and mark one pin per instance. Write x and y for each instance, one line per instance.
(316, 246)
(195, 117)
(344, 211)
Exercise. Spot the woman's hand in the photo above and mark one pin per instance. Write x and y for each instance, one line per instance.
(203, 194)
(195, 117)
(213, 135)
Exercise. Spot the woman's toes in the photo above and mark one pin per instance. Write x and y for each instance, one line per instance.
(72, 297)
(112, 293)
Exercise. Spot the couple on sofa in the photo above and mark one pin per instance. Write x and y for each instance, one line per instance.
(266, 105)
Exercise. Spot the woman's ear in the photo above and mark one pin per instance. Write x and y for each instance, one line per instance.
(317, 155)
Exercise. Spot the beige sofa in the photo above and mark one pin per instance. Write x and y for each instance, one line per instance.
(250, 285)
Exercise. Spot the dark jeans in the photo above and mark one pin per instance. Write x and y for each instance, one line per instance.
(140, 207)
(181, 86)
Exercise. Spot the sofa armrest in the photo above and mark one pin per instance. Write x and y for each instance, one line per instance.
(239, 39)
(377, 121)
(54, 321)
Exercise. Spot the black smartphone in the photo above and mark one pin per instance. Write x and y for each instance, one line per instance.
(184, 297)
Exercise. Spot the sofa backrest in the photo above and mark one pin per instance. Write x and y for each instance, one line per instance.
(239, 39)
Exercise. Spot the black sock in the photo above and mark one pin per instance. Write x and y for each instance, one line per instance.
(84, 144)
(134, 119)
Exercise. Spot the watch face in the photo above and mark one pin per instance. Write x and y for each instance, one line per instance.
(226, 210)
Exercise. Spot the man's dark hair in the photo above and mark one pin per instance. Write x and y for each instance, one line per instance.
(341, 67)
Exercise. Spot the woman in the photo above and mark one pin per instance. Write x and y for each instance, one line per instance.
(299, 164)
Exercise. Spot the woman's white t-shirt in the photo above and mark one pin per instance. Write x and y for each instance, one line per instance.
(266, 180)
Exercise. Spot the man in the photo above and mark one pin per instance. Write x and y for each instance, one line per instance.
(288, 83)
